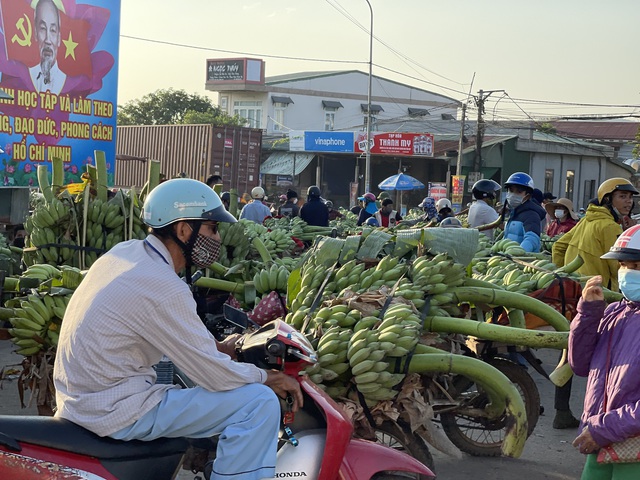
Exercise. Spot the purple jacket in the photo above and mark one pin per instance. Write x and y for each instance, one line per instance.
(589, 338)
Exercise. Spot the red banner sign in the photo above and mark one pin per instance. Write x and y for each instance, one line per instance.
(406, 144)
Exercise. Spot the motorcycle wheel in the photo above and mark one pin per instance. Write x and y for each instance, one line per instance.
(479, 436)
(399, 436)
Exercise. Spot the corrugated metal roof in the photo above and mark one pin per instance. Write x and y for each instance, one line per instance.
(616, 131)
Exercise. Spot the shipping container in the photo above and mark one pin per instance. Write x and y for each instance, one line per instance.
(196, 151)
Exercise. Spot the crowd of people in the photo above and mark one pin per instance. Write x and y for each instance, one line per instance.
(116, 396)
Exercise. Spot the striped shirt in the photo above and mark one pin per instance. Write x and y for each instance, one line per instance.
(130, 310)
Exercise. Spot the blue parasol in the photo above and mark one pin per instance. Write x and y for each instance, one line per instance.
(401, 181)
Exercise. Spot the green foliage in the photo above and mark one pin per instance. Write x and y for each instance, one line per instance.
(171, 107)
(636, 149)
(547, 128)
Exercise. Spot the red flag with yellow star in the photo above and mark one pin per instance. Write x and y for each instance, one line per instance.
(19, 32)
(74, 55)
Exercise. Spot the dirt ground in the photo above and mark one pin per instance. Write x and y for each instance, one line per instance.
(548, 453)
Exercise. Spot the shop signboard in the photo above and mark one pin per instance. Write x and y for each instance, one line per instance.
(457, 191)
(394, 143)
(63, 87)
(322, 141)
(437, 190)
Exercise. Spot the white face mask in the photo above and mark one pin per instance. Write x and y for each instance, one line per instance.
(559, 213)
(514, 200)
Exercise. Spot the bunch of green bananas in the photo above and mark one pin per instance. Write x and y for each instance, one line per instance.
(43, 228)
(290, 263)
(312, 276)
(36, 321)
(348, 274)
(513, 277)
(235, 243)
(387, 272)
(42, 272)
(509, 247)
(274, 278)
(332, 358)
(277, 242)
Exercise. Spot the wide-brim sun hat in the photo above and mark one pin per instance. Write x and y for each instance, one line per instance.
(562, 202)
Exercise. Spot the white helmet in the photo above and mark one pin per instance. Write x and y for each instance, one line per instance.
(443, 203)
(257, 192)
(627, 246)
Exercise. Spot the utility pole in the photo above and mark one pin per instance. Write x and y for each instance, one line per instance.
(460, 141)
(477, 159)
(367, 164)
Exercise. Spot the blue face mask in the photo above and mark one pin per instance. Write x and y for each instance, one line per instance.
(629, 283)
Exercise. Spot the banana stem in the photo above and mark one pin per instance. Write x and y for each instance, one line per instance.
(57, 174)
(43, 183)
(563, 372)
(218, 284)
(497, 386)
(497, 333)
(515, 300)
(260, 247)
(572, 266)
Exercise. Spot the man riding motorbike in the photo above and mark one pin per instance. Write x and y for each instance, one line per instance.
(131, 309)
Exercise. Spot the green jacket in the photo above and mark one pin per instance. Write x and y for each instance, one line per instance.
(592, 237)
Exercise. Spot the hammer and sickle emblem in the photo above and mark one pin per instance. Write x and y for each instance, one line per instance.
(25, 41)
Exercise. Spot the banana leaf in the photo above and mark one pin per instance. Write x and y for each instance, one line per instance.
(327, 250)
(373, 244)
(460, 243)
(350, 249)
(407, 240)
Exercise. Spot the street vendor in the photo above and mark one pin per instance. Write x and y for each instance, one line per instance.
(525, 214)
(131, 309)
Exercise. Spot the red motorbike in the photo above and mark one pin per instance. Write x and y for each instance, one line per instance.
(316, 443)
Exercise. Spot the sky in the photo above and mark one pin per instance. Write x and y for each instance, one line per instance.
(552, 57)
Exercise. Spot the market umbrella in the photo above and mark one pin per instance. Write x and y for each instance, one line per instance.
(401, 182)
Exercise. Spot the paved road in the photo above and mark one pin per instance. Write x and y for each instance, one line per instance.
(548, 454)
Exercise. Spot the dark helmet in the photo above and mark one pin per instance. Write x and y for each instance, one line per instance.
(485, 188)
(225, 196)
(372, 222)
(313, 191)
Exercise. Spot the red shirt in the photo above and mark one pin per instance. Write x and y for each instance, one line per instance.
(556, 227)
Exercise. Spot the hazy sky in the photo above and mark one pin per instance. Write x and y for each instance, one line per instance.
(567, 51)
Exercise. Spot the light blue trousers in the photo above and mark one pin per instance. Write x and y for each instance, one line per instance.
(247, 419)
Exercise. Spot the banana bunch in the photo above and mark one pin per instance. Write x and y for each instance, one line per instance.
(43, 227)
(290, 263)
(505, 273)
(42, 272)
(547, 241)
(277, 241)
(369, 369)
(348, 274)
(297, 317)
(336, 316)
(484, 246)
(235, 244)
(36, 322)
(332, 358)
(401, 327)
(252, 229)
(508, 247)
(71, 277)
(387, 272)
(275, 278)
(312, 276)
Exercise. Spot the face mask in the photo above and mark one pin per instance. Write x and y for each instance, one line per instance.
(205, 251)
(514, 200)
(629, 283)
(559, 213)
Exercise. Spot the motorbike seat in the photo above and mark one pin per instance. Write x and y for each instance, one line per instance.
(61, 434)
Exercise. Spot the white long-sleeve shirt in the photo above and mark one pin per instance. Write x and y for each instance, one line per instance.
(130, 310)
(480, 213)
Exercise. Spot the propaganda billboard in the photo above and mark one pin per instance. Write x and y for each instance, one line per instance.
(59, 66)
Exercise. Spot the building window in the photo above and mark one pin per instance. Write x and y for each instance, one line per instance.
(571, 175)
(224, 104)
(589, 192)
(251, 111)
(548, 180)
(374, 123)
(278, 116)
(329, 120)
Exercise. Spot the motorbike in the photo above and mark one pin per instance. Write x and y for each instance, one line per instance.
(316, 443)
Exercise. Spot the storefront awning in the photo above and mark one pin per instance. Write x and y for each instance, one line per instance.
(331, 104)
(277, 99)
(282, 163)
